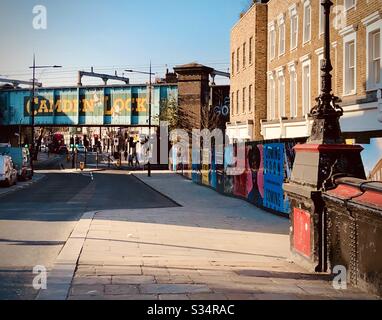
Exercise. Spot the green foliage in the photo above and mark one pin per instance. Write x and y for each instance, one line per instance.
(169, 112)
(177, 118)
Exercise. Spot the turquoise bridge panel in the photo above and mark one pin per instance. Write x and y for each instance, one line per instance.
(87, 106)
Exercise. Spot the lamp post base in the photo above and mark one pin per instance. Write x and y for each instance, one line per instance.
(315, 168)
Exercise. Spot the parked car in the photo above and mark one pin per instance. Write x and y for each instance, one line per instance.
(21, 160)
(8, 174)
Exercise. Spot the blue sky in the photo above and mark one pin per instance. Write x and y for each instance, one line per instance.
(372, 154)
(115, 34)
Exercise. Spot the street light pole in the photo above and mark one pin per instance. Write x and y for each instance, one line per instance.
(326, 114)
(32, 104)
(32, 107)
(150, 103)
(149, 163)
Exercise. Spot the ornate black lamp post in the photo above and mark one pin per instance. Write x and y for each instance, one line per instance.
(327, 112)
(318, 163)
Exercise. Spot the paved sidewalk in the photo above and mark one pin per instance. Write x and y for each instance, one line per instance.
(213, 247)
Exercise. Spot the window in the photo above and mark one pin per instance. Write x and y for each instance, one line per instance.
(293, 92)
(282, 39)
(349, 68)
(233, 103)
(272, 42)
(374, 56)
(250, 98)
(281, 35)
(320, 63)
(281, 94)
(307, 21)
(238, 60)
(322, 18)
(233, 63)
(250, 50)
(244, 55)
(237, 102)
(349, 4)
(293, 31)
(373, 24)
(271, 98)
(306, 96)
(244, 96)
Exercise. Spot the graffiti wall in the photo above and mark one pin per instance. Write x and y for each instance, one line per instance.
(267, 165)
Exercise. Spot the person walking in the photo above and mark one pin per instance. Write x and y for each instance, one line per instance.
(135, 156)
(130, 160)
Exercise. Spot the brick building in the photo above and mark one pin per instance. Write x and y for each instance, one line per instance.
(295, 53)
(194, 90)
(248, 74)
(201, 103)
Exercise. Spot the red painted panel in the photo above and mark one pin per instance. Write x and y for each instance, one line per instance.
(345, 192)
(327, 148)
(370, 197)
(302, 231)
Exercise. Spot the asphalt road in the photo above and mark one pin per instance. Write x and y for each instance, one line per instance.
(36, 222)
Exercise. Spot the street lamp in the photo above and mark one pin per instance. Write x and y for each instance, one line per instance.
(326, 114)
(150, 83)
(317, 165)
(32, 106)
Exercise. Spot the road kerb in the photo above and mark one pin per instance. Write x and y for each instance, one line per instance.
(61, 276)
(156, 190)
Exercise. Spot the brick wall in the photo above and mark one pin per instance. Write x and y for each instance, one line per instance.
(275, 8)
(193, 93)
(354, 16)
(252, 25)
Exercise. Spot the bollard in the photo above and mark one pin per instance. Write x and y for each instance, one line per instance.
(82, 166)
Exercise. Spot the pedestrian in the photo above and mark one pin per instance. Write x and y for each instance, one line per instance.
(130, 157)
(136, 159)
(125, 154)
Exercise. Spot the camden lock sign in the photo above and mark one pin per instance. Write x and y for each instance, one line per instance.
(114, 105)
(94, 105)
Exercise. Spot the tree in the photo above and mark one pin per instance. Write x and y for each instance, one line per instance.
(210, 119)
(176, 117)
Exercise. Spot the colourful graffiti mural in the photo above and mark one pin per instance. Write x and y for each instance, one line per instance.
(267, 165)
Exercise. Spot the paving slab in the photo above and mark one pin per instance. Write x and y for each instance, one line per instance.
(212, 247)
(173, 288)
(133, 280)
(121, 289)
